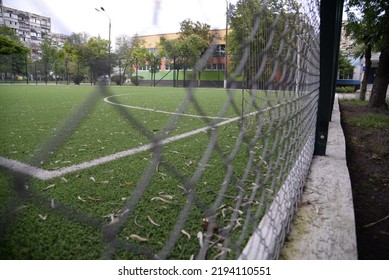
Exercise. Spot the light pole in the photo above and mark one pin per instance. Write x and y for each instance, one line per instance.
(102, 10)
(225, 45)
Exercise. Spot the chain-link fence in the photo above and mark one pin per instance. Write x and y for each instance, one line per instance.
(16, 69)
(257, 158)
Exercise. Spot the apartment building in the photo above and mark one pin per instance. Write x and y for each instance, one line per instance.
(31, 28)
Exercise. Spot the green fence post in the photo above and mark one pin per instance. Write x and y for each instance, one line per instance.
(174, 71)
(25, 60)
(330, 27)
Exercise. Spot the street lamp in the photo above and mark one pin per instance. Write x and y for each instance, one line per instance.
(102, 10)
(229, 9)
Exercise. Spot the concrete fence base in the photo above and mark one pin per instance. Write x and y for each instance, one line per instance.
(324, 226)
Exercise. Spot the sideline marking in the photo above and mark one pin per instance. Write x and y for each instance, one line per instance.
(106, 99)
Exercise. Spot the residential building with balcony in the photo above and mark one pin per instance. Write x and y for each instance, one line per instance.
(31, 28)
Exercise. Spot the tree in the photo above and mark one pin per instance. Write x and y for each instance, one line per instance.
(154, 62)
(13, 54)
(193, 40)
(123, 48)
(49, 56)
(346, 69)
(370, 24)
(71, 64)
(189, 28)
(358, 29)
(94, 55)
(258, 39)
(136, 55)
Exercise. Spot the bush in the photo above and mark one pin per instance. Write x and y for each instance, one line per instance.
(117, 79)
(77, 79)
(350, 89)
(136, 80)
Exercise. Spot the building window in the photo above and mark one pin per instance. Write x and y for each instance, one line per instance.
(152, 50)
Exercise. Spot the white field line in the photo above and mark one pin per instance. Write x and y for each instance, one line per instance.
(42, 174)
(19, 167)
(158, 111)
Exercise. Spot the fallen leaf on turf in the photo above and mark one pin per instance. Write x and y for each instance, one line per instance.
(21, 207)
(200, 238)
(124, 212)
(151, 221)
(43, 218)
(167, 196)
(161, 199)
(49, 187)
(136, 222)
(103, 182)
(186, 233)
(114, 219)
(137, 237)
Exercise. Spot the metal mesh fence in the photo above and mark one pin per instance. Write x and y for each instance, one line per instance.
(226, 190)
(16, 69)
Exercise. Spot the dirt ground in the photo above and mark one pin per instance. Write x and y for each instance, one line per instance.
(367, 150)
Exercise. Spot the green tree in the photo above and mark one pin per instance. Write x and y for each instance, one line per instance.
(369, 25)
(358, 28)
(135, 57)
(345, 68)
(258, 41)
(189, 28)
(13, 54)
(93, 54)
(70, 63)
(49, 56)
(123, 48)
(154, 62)
(193, 40)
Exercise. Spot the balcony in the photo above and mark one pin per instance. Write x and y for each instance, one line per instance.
(45, 24)
(25, 26)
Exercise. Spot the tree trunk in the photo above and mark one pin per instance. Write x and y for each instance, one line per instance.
(366, 73)
(381, 81)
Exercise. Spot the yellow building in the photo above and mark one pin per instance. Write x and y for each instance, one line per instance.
(215, 63)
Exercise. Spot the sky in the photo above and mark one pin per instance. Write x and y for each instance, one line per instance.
(129, 17)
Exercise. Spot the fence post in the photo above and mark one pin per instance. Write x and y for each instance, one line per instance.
(25, 61)
(36, 74)
(174, 71)
(11, 76)
(330, 27)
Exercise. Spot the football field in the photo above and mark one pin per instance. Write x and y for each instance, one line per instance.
(137, 169)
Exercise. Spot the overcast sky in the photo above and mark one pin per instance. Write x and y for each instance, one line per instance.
(127, 16)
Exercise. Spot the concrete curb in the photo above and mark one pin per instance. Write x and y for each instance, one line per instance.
(324, 225)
